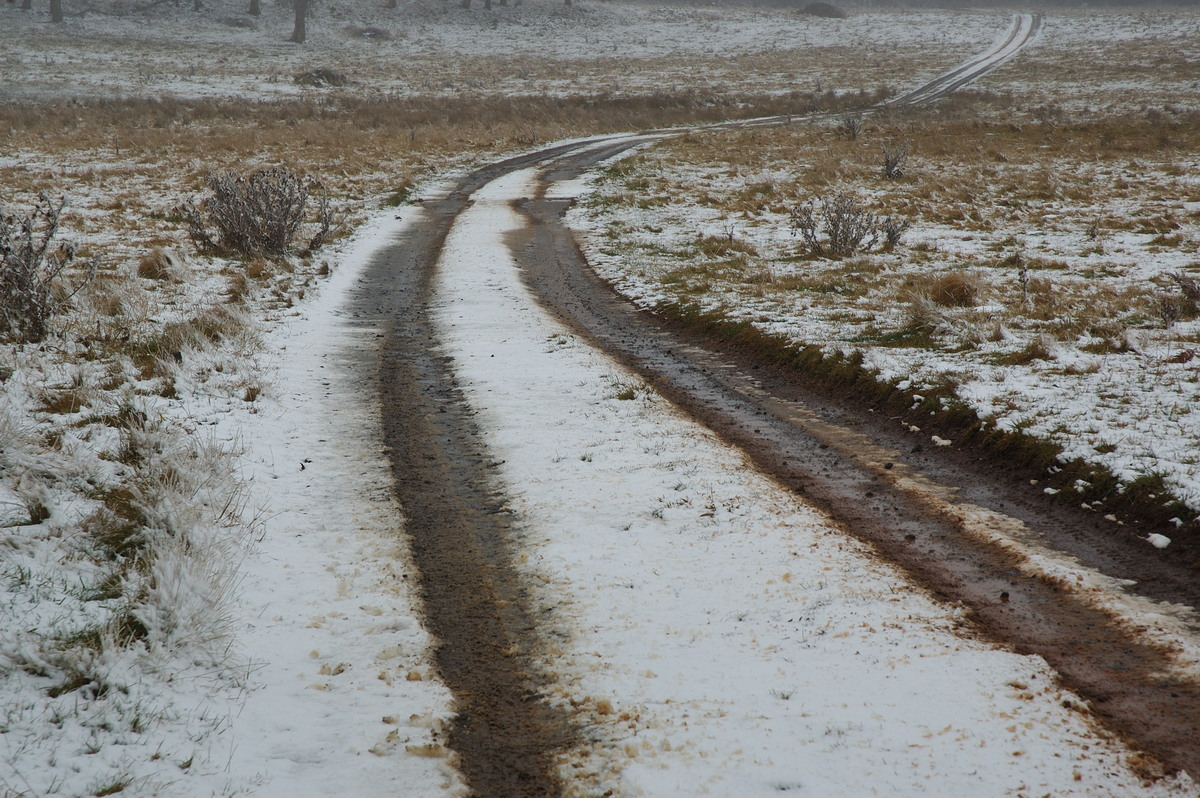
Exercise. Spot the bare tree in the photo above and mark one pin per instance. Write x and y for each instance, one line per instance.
(300, 32)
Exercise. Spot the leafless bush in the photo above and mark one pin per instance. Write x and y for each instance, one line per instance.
(1170, 310)
(256, 215)
(848, 227)
(895, 161)
(851, 126)
(33, 285)
(1189, 286)
(1184, 305)
(893, 229)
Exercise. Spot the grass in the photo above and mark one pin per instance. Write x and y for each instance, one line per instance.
(159, 322)
(1146, 501)
(969, 285)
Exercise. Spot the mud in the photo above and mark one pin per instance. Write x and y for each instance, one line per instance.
(504, 734)
(860, 470)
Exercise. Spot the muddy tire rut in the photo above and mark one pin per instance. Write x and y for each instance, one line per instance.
(504, 734)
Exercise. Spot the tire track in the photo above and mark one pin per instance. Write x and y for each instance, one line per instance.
(504, 733)
(846, 463)
(1024, 29)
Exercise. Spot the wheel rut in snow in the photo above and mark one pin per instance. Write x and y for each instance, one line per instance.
(847, 462)
(475, 603)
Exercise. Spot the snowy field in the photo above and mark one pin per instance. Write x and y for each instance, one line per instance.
(1033, 286)
(720, 636)
(429, 48)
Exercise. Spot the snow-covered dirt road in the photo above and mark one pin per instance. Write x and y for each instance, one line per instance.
(698, 627)
(622, 601)
(1024, 29)
(560, 574)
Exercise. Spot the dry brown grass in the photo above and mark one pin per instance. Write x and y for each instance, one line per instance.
(125, 164)
(955, 289)
(985, 173)
(348, 130)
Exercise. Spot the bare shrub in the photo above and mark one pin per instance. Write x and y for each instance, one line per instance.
(893, 229)
(33, 284)
(848, 227)
(256, 215)
(1182, 306)
(1170, 309)
(1188, 286)
(851, 126)
(895, 161)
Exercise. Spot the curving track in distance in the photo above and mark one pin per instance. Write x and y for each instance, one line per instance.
(1024, 30)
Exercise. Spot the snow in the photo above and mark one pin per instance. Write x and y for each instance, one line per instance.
(726, 638)
(1129, 411)
(435, 48)
(345, 699)
(715, 634)
(316, 677)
